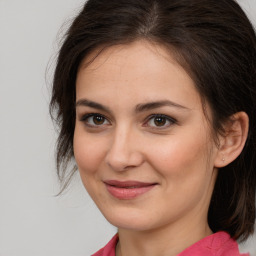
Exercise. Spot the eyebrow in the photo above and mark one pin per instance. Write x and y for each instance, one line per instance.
(92, 104)
(158, 104)
(138, 108)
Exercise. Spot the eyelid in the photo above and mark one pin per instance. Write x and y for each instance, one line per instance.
(170, 119)
(85, 117)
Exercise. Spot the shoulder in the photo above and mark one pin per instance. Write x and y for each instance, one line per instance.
(218, 244)
(109, 249)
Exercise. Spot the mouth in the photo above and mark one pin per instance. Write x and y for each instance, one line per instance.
(126, 190)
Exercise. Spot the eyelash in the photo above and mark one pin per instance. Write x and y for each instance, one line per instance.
(165, 118)
(86, 117)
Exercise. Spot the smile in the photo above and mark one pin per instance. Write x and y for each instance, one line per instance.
(126, 190)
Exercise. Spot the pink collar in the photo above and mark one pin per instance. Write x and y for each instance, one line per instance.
(217, 244)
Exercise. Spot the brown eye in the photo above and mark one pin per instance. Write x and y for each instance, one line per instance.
(98, 120)
(160, 121)
(94, 120)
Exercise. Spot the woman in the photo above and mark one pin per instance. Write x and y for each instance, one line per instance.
(155, 101)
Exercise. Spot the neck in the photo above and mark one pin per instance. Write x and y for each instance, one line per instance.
(167, 241)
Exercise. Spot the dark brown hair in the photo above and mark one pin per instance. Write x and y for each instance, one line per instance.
(214, 42)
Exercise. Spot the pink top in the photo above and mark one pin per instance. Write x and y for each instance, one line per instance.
(218, 244)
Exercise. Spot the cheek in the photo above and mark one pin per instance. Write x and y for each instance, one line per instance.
(88, 152)
(89, 156)
(181, 155)
(185, 171)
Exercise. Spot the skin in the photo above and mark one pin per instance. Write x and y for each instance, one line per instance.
(126, 143)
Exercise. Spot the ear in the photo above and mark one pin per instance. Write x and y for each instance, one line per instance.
(232, 143)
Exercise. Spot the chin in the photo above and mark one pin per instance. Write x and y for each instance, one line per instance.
(130, 220)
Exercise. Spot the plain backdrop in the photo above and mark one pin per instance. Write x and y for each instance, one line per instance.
(33, 221)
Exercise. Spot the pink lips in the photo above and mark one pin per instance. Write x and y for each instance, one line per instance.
(127, 189)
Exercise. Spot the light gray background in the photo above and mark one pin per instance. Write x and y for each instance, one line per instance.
(32, 221)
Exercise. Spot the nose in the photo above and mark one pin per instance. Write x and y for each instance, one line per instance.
(124, 152)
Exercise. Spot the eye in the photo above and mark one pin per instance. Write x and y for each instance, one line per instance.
(94, 119)
(160, 121)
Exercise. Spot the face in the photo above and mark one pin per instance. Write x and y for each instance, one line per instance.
(142, 143)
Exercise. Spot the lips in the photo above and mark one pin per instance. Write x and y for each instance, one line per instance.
(126, 190)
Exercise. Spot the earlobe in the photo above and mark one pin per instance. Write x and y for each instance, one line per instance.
(232, 143)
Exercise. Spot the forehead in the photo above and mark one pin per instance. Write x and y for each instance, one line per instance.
(145, 51)
(139, 70)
